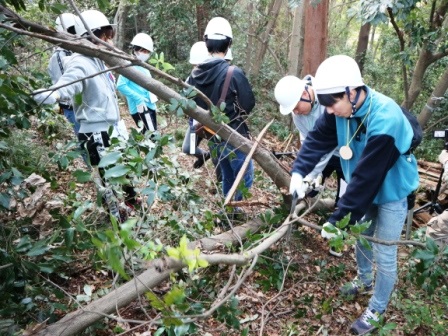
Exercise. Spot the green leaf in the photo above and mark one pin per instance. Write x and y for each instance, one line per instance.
(424, 255)
(432, 246)
(5, 200)
(37, 250)
(82, 176)
(365, 243)
(80, 210)
(175, 295)
(68, 236)
(156, 303)
(116, 171)
(110, 159)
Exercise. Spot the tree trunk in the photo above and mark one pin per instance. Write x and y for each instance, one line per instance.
(120, 20)
(273, 14)
(315, 37)
(435, 99)
(201, 19)
(424, 60)
(363, 43)
(296, 43)
(250, 38)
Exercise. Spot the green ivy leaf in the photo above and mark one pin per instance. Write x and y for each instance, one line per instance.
(82, 176)
(110, 159)
(117, 171)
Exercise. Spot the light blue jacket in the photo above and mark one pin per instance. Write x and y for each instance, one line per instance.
(135, 94)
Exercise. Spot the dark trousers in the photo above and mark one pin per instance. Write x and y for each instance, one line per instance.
(141, 117)
(93, 149)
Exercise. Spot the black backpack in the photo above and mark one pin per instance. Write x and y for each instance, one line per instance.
(416, 128)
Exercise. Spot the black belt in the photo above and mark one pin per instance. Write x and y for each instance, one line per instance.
(66, 107)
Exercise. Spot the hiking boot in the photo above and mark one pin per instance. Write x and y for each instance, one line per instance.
(363, 324)
(354, 288)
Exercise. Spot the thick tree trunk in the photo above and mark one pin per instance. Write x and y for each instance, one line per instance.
(296, 43)
(435, 99)
(316, 36)
(363, 43)
(273, 14)
(120, 20)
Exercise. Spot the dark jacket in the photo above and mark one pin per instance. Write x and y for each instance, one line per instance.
(209, 78)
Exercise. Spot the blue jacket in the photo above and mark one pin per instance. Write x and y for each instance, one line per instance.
(135, 94)
(380, 170)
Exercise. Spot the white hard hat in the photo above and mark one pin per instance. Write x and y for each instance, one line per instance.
(94, 19)
(198, 53)
(65, 21)
(288, 92)
(228, 55)
(144, 41)
(336, 73)
(218, 28)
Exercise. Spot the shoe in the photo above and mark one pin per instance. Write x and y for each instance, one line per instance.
(201, 160)
(354, 288)
(363, 324)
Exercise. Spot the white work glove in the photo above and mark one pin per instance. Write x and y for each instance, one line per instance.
(43, 96)
(142, 106)
(330, 231)
(313, 181)
(335, 232)
(298, 185)
(443, 159)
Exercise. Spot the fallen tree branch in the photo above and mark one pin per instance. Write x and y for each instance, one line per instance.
(246, 163)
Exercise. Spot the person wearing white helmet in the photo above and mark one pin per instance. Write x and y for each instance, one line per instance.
(209, 78)
(92, 96)
(297, 96)
(373, 136)
(198, 54)
(64, 23)
(141, 102)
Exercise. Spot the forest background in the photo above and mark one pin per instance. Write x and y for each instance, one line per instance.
(60, 254)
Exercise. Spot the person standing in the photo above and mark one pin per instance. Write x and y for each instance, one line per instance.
(209, 78)
(141, 102)
(297, 96)
(64, 23)
(190, 146)
(90, 87)
(373, 136)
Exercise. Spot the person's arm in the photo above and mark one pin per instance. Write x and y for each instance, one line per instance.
(378, 157)
(320, 141)
(74, 72)
(321, 164)
(124, 88)
(245, 95)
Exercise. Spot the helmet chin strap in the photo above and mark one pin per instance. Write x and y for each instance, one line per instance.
(354, 102)
(308, 100)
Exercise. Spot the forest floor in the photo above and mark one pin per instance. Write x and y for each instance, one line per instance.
(293, 290)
